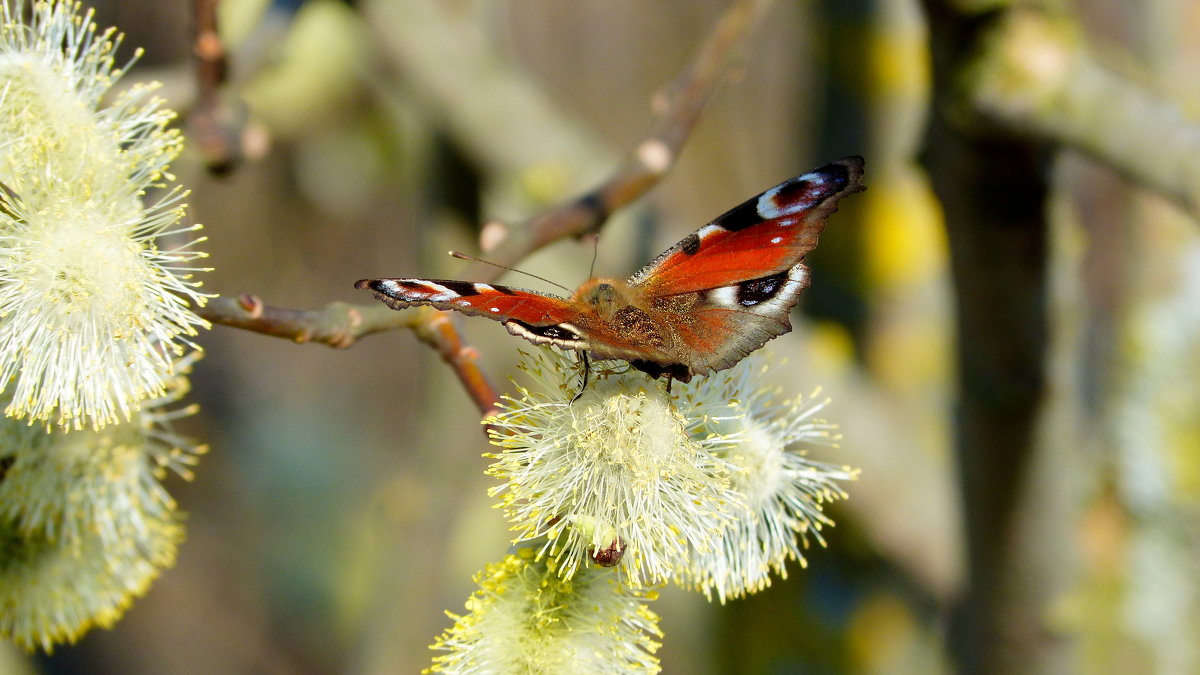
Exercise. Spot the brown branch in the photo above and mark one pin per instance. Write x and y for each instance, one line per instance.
(1035, 75)
(438, 331)
(993, 185)
(340, 325)
(678, 108)
(213, 125)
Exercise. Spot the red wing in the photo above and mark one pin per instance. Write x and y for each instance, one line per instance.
(715, 328)
(537, 317)
(766, 235)
(500, 303)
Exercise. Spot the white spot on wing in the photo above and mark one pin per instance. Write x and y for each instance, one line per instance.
(439, 292)
(776, 240)
(708, 231)
(725, 296)
(495, 309)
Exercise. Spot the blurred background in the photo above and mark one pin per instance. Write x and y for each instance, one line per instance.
(1008, 321)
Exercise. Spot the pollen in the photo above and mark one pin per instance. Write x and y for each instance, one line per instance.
(93, 307)
(620, 462)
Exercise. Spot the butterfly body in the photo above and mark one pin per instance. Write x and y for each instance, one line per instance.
(701, 306)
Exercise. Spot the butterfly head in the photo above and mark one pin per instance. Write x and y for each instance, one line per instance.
(605, 296)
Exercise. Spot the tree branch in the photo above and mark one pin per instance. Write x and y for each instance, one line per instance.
(678, 108)
(993, 185)
(340, 325)
(1035, 75)
(211, 121)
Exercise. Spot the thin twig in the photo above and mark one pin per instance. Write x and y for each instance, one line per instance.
(210, 123)
(677, 107)
(438, 331)
(340, 325)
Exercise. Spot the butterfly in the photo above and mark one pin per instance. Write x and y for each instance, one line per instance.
(702, 306)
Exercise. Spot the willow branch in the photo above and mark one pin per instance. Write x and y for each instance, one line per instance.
(340, 325)
(678, 108)
(1035, 75)
(438, 331)
(210, 123)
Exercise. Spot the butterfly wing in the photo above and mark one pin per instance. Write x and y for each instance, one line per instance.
(702, 305)
(765, 235)
(537, 317)
(728, 287)
(715, 328)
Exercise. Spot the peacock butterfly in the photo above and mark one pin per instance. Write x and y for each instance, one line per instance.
(701, 306)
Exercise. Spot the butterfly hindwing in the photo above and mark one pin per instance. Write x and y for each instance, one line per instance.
(722, 325)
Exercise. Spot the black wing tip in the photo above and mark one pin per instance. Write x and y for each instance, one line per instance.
(847, 172)
(376, 288)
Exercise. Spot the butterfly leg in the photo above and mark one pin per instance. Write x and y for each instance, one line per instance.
(587, 370)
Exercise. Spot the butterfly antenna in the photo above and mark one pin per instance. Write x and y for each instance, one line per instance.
(595, 250)
(464, 256)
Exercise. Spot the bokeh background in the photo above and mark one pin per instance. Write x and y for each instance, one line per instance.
(342, 507)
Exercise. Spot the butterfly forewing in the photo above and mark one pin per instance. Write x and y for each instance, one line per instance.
(491, 300)
(766, 235)
(728, 288)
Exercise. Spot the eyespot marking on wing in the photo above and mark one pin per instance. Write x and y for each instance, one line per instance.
(462, 288)
(435, 292)
(803, 192)
(739, 218)
(562, 334)
(762, 294)
(750, 293)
